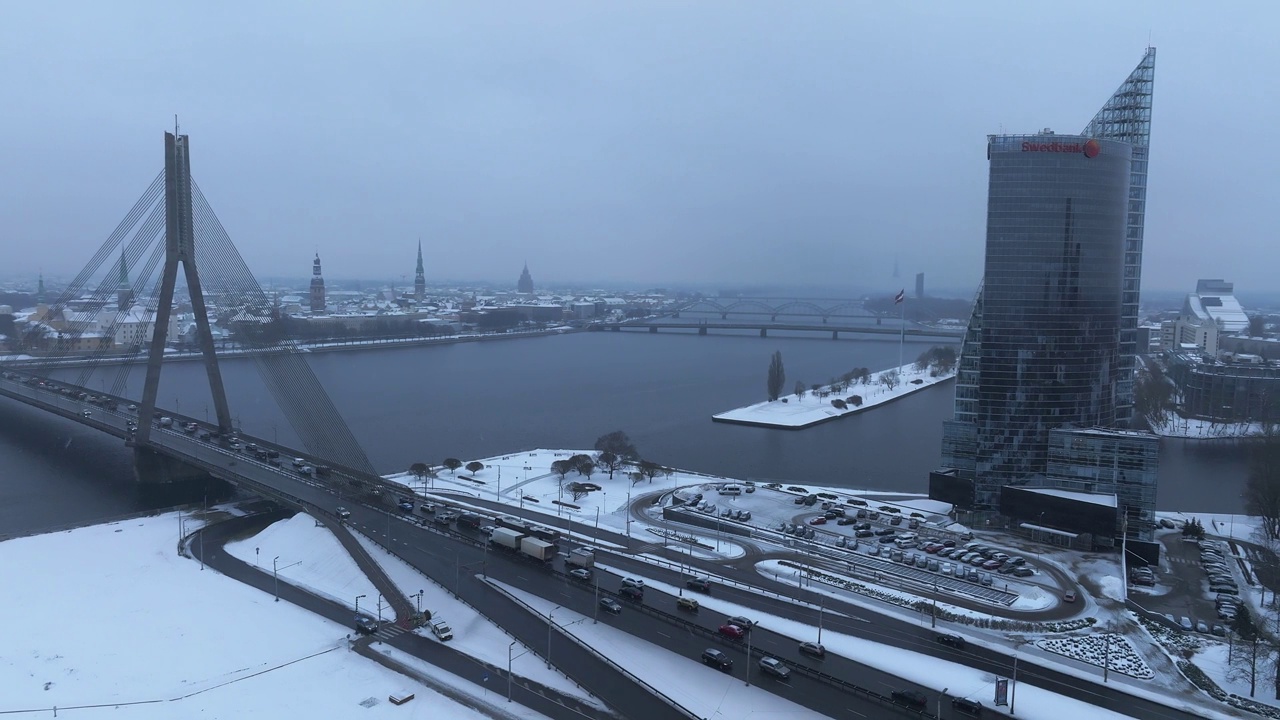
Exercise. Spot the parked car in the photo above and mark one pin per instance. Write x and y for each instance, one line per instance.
(1185, 623)
(818, 520)
(814, 649)
(775, 667)
(717, 659)
(1023, 571)
(846, 521)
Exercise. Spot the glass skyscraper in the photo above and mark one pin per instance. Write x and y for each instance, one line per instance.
(1052, 339)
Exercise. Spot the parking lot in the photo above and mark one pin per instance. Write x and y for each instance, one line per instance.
(775, 516)
(1182, 588)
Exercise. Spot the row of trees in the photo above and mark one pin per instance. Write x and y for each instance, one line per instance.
(941, 358)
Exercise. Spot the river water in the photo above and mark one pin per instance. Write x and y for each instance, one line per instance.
(479, 399)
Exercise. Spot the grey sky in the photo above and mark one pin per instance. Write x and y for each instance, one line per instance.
(718, 142)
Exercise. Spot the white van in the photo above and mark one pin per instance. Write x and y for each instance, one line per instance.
(730, 489)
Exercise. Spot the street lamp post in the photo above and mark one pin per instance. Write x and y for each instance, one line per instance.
(420, 601)
(379, 607)
(940, 696)
(358, 603)
(550, 625)
(275, 574)
(822, 602)
(510, 649)
(748, 673)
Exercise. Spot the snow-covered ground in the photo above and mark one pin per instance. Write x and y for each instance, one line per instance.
(792, 411)
(311, 557)
(1174, 426)
(110, 615)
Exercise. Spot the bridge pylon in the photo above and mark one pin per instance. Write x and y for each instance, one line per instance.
(179, 241)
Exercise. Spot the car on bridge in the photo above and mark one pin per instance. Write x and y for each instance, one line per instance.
(87, 413)
(582, 574)
(610, 605)
(775, 667)
(954, 641)
(405, 505)
(342, 513)
(699, 584)
(813, 649)
(910, 698)
(732, 632)
(717, 659)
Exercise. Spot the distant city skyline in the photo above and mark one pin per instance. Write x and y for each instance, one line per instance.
(707, 143)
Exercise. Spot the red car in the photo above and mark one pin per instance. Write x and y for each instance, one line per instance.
(732, 631)
(818, 521)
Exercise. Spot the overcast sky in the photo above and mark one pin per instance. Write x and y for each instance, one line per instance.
(687, 142)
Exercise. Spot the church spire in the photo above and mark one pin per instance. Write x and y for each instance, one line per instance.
(317, 287)
(124, 290)
(419, 278)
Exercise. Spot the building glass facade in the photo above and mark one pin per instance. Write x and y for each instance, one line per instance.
(1120, 462)
(1126, 117)
(1045, 351)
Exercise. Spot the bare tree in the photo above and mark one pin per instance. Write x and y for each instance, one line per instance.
(561, 468)
(799, 390)
(890, 378)
(608, 461)
(650, 469)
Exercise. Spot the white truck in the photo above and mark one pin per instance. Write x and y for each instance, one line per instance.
(507, 538)
(582, 558)
(441, 630)
(538, 549)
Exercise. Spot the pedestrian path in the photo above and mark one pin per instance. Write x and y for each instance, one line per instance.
(388, 631)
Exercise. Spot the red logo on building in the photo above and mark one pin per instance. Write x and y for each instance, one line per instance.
(1089, 148)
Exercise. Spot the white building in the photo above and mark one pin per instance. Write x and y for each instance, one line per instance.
(1212, 310)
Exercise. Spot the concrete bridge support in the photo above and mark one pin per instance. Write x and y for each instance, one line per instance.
(616, 328)
(654, 329)
(764, 332)
(152, 468)
(702, 331)
(835, 334)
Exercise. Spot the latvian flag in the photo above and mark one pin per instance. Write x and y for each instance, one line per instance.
(902, 295)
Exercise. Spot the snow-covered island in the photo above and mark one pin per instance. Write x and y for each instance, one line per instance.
(797, 411)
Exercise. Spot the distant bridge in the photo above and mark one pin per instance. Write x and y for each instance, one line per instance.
(764, 328)
(824, 308)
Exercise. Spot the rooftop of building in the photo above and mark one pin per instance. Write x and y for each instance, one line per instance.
(1214, 301)
(1105, 499)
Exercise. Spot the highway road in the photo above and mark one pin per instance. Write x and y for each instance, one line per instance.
(443, 558)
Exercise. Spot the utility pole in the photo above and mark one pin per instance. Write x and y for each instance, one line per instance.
(275, 574)
(1013, 691)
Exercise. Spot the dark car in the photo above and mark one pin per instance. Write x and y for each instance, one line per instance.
(863, 533)
(846, 521)
(717, 659)
(888, 539)
(366, 625)
(343, 513)
(896, 520)
(610, 605)
(732, 631)
(799, 500)
(814, 649)
(1023, 571)
(630, 592)
(699, 584)
(910, 698)
(885, 531)
(818, 521)
(954, 641)
(967, 706)
(406, 506)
